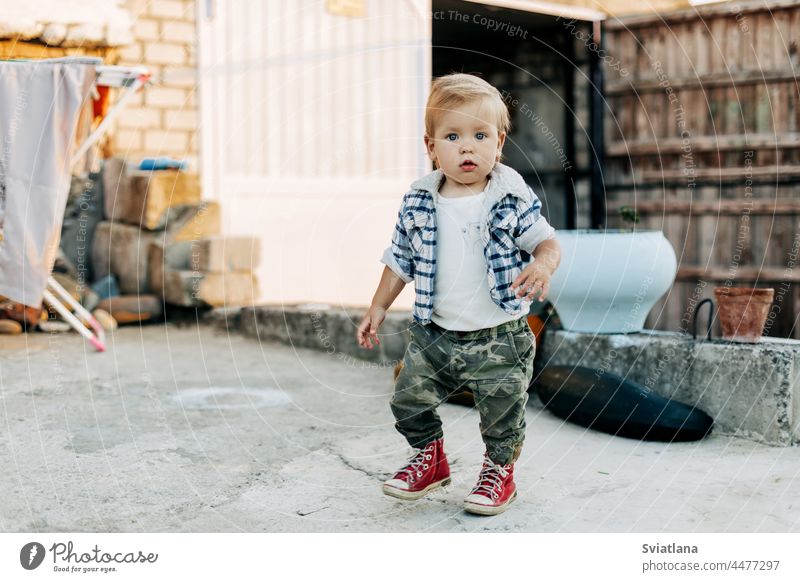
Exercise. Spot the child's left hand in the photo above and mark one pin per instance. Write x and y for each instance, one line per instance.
(535, 278)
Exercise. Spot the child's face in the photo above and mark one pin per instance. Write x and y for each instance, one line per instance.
(466, 143)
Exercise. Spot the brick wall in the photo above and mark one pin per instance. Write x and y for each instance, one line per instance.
(163, 120)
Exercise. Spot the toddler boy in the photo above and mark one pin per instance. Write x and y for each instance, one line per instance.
(459, 236)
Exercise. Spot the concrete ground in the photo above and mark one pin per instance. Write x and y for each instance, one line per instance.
(188, 429)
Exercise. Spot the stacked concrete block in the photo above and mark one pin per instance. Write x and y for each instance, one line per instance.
(213, 271)
(144, 198)
(121, 249)
(142, 208)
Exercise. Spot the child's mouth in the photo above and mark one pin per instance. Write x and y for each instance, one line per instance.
(468, 166)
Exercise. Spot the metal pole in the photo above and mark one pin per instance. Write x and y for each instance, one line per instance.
(597, 155)
(571, 205)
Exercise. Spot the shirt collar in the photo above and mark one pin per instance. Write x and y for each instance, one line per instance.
(503, 181)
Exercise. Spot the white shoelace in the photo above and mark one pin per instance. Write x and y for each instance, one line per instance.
(417, 462)
(490, 481)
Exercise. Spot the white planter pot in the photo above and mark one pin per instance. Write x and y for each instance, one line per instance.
(609, 280)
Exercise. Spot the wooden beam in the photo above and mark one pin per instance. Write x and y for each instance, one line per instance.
(766, 275)
(724, 173)
(708, 176)
(560, 9)
(715, 207)
(709, 81)
(675, 145)
(691, 14)
(20, 49)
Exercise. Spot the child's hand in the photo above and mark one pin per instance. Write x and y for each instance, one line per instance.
(368, 328)
(535, 278)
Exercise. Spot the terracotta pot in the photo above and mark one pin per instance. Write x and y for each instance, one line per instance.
(743, 311)
(537, 325)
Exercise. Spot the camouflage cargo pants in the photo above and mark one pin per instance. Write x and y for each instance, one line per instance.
(495, 363)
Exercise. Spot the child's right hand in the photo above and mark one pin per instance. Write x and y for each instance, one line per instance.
(368, 328)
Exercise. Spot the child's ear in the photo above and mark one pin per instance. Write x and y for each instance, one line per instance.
(429, 144)
(501, 139)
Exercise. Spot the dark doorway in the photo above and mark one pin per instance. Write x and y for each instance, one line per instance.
(530, 58)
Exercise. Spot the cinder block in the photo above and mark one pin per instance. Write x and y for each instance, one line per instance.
(114, 177)
(124, 250)
(170, 264)
(121, 249)
(215, 254)
(143, 198)
(156, 264)
(187, 223)
(226, 253)
(153, 193)
(194, 288)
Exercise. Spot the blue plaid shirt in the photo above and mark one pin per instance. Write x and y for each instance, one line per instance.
(512, 223)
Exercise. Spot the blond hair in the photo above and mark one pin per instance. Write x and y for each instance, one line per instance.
(456, 89)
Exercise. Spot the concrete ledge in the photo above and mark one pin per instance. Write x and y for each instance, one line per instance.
(750, 390)
(322, 327)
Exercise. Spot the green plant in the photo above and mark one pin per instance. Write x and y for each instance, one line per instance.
(629, 214)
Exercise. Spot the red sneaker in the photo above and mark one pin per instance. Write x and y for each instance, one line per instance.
(495, 489)
(426, 471)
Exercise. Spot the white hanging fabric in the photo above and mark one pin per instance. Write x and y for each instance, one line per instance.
(39, 107)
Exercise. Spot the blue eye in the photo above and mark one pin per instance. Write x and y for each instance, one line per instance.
(451, 137)
(480, 136)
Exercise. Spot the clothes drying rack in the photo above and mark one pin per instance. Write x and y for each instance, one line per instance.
(131, 79)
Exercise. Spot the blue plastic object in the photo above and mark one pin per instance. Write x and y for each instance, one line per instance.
(162, 163)
(106, 287)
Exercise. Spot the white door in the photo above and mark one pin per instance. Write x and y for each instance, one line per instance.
(312, 128)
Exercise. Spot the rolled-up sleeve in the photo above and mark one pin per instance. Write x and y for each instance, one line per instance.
(397, 256)
(389, 260)
(532, 226)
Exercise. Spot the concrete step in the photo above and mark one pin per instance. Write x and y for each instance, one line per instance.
(750, 390)
(322, 327)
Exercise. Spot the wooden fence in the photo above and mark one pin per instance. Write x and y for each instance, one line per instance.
(703, 139)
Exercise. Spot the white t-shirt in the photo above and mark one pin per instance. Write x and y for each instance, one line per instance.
(461, 300)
